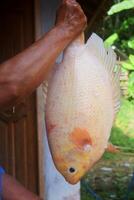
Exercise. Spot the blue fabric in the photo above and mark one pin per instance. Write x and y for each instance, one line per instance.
(2, 171)
(130, 188)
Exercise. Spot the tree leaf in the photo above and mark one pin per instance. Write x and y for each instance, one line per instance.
(131, 43)
(128, 65)
(131, 78)
(131, 85)
(124, 5)
(111, 39)
(131, 58)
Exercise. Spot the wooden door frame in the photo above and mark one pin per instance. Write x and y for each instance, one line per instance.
(40, 109)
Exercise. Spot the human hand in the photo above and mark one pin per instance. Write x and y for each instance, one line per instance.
(71, 18)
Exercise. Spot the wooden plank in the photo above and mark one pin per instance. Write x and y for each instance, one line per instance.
(18, 133)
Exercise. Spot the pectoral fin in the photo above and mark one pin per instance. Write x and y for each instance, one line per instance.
(112, 148)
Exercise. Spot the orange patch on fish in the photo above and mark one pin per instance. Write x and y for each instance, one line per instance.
(50, 127)
(59, 159)
(80, 137)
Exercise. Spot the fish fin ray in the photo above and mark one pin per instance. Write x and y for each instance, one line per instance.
(45, 83)
(44, 91)
(108, 59)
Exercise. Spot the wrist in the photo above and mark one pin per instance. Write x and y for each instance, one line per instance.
(66, 31)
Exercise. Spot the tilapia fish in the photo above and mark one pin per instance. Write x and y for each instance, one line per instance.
(82, 101)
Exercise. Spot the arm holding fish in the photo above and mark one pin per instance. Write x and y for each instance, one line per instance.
(22, 74)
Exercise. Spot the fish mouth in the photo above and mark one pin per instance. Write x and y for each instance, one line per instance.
(72, 181)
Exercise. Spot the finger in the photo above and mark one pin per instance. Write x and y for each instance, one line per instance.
(73, 1)
(69, 1)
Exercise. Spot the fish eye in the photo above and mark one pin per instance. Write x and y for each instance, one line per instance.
(72, 170)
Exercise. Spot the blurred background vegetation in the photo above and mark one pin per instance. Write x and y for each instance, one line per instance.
(111, 175)
(118, 29)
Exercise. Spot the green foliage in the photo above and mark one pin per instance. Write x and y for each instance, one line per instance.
(123, 131)
(111, 39)
(124, 5)
(120, 139)
(125, 118)
(131, 86)
(123, 28)
(118, 31)
(131, 43)
(110, 156)
(131, 58)
(127, 65)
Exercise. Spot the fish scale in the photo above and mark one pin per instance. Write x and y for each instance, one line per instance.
(82, 99)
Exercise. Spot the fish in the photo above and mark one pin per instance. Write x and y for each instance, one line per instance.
(83, 97)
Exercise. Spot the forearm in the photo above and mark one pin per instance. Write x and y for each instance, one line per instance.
(20, 75)
(12, 190)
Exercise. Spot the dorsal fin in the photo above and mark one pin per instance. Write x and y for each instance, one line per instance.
(108, 59)
(45, 83)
